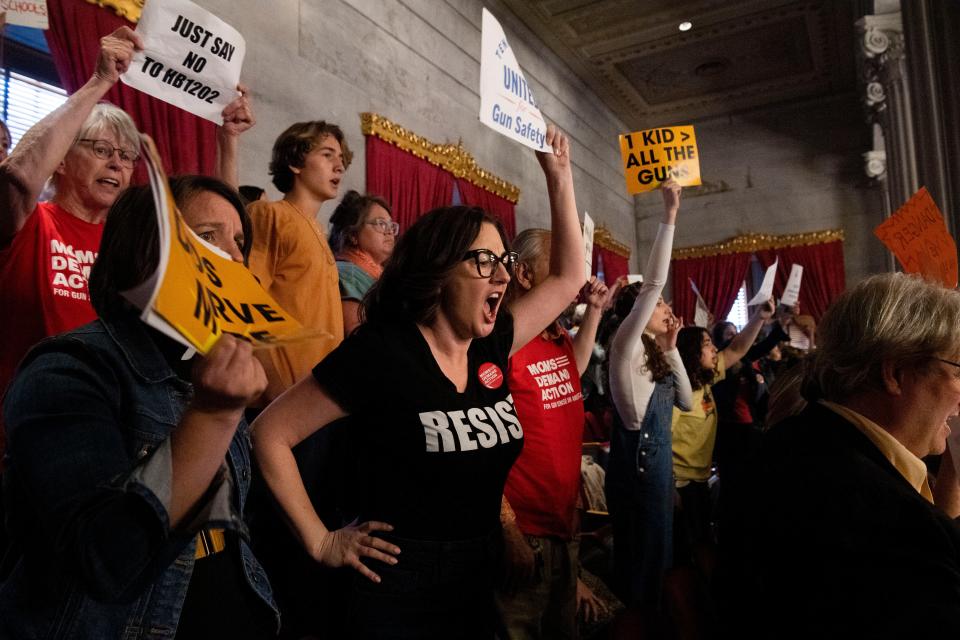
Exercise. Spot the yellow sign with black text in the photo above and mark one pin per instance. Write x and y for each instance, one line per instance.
(652, 156)
(199, 293)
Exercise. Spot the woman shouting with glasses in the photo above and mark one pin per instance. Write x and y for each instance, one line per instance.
(362, 235)
(424, 379)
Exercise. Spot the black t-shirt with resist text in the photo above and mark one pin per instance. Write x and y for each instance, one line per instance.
(432, 462)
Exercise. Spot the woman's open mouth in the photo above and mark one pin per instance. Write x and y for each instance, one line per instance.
(491, 305)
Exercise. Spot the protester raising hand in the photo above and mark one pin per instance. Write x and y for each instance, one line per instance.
(597, 297)
(238, 115)
(670, 190)
(565, 276)
(116, 53)
(237, 118)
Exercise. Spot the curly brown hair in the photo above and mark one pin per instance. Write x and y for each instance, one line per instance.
(656, 363)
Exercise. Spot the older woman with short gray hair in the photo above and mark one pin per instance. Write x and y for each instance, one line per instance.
(848, 540)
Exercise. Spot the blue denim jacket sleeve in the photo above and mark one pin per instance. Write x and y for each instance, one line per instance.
(79, 473)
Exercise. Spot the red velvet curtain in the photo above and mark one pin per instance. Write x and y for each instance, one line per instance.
(411, 185)
(718, 278)
(823, 273)
(498, 207)
(611, 264)
(187, 144)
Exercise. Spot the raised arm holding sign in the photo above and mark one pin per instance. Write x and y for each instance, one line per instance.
(791, 293)
(191, 58)
(588, 229)
(701, 314)
(766, 287)
(506, 99)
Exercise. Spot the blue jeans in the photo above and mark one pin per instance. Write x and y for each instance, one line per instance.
(639, 489)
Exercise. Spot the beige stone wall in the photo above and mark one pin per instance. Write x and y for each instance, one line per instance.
(417, 63)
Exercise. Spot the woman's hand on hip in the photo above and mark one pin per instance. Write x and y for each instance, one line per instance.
(344, 547)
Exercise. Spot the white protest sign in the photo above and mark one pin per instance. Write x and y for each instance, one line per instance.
(798, 338)
(588, 227)
(191, 58)
(634, 278)
(792, 291)
(766, 288)
(506, 100)
(701, 314)
(26, 13)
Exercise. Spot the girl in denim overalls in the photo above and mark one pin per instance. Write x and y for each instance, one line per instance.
(646, 380)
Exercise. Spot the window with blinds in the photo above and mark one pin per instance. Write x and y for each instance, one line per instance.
(26, 101)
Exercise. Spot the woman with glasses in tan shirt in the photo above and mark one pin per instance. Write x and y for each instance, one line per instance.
(362, 236)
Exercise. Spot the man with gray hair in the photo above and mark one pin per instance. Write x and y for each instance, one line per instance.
(847, 540)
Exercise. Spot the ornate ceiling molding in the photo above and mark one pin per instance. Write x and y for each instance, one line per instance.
(740, 54)
(751, 242)
(450, 157)
(129, 9)
(603, 238)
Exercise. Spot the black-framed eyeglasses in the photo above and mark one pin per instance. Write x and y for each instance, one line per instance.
(487, 261)
(951, 363)
(104, 150)
(386, 227)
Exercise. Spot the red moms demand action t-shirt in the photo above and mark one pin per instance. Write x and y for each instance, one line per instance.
(544, 483)
(43, 281)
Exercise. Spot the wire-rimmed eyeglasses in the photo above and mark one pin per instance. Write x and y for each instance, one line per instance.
(104, 150)
(386, 227)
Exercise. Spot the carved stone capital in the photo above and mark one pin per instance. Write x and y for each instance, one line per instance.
(875, 94)
(875, 164)
(874, 42)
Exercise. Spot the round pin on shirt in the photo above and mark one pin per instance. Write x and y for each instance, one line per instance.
(490, 375)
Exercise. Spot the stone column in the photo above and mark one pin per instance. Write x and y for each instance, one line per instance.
(886, 95)
(931, 31)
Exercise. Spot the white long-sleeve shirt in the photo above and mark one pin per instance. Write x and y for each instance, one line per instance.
(631, 384)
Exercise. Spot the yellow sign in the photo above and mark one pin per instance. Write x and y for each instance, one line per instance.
(653, 155)
(201, 294)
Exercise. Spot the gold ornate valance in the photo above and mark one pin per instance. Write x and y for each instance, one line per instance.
(451, 157)
(605, 240)
(758, 242)
(129, 9)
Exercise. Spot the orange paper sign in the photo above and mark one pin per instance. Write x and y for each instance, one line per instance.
(918, 236)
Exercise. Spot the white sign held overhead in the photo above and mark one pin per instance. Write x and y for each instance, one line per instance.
(792, 291)
(766, 288)
(701, 313)
(191, 58)
(506, 100)
(588, 227)
(25, 13)
(798, 339)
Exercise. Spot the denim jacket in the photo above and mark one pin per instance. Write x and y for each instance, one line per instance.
(89, 418)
